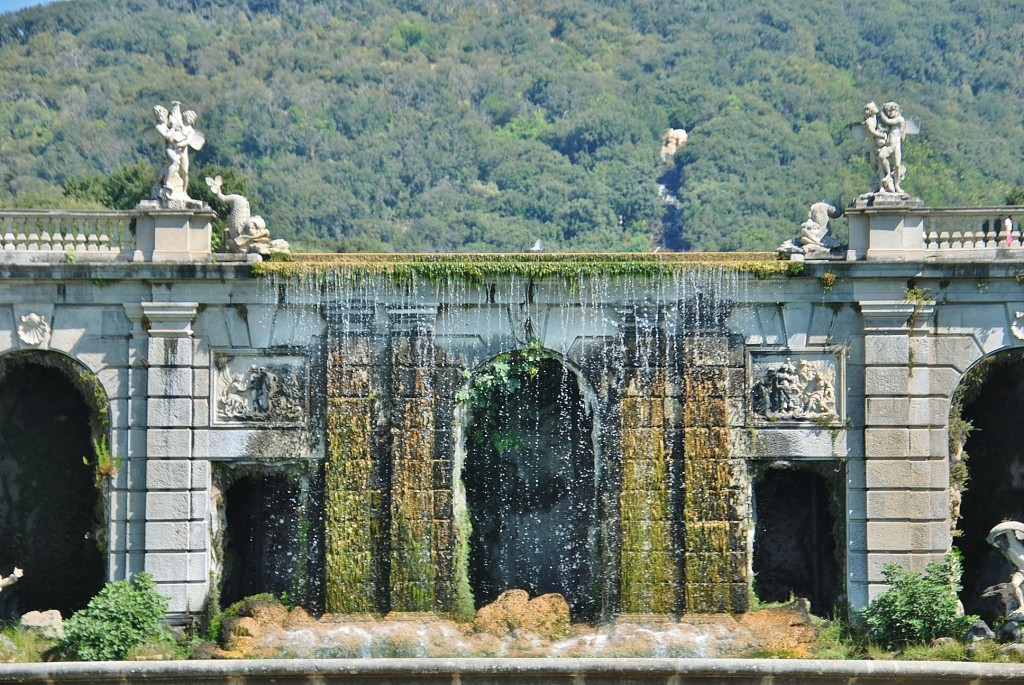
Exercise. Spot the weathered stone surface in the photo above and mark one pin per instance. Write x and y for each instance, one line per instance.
(47, 623)
(546, 616)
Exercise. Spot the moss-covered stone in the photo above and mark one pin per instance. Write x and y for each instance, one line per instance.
(474, 268)
(714, 560)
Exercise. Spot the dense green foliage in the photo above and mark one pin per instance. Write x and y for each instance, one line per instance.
(420, 125)
(918, 608)
(124, 615)
(488, 391)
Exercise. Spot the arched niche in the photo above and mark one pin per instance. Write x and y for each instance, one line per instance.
(53, 477)
(526, 484)
(986, 469)
(798, 517)
(271, 533)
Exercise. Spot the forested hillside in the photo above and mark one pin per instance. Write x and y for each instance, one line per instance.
(472, 125)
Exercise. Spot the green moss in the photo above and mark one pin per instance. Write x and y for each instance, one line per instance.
(475, 268)
(350, 506)
(711, 557)
(649, 575)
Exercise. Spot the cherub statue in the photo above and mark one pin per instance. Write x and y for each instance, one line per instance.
(886, 128)
(179, 136)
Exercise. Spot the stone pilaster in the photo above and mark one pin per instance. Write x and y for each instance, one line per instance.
(177, 544)
(354, 479)
(648, 563)
(714, 561)
(416, 529)
(128, 493)
(902, 514)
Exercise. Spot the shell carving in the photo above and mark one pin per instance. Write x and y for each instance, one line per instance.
(33, 329)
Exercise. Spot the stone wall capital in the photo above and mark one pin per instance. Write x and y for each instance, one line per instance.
(170, 319)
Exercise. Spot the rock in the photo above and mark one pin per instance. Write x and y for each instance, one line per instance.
(1010, 632)
(497, 618)
(255, 619)
(1015, 648)
(979, 630)
(8, 650)
(47, 623)
(546, 616)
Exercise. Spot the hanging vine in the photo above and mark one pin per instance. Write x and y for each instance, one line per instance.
(487, 391)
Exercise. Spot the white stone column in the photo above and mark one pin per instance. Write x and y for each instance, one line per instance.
(177, 493)
(902, 514)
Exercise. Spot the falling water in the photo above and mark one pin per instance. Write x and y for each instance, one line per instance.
(606, 476)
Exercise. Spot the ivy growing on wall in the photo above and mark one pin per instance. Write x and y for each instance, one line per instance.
(487, 391)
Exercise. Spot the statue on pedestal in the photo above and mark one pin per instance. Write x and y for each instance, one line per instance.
(885, 128)
(247, 233)
(175, 127)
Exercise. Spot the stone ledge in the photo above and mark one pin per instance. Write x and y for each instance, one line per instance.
(579, 671)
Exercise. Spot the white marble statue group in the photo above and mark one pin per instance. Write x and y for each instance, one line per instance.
(175, 127)
(245, 233)
(886, 127)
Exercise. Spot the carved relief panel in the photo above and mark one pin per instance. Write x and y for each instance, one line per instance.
(251, 388)
(796, 386)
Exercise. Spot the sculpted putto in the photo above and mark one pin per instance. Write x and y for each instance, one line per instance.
(886, 128)
(175, 127)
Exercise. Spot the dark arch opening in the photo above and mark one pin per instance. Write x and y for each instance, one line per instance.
(794, 539)
(270, 541)
(51, 517)
(530, 490)
(988, 399)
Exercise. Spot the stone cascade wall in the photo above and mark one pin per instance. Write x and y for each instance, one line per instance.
(715, 553)
(648, 563)
(353, 482)
(415, 527)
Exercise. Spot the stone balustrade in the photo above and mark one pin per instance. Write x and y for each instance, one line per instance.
(145, 234)
(909, 233)
(960, 233)
(102, 235)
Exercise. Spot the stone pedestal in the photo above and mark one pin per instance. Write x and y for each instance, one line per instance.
(172, 235)
(890, 228)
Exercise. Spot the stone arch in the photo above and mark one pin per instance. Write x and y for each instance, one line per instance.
(554, 495)
(986, 468)
(55, 466)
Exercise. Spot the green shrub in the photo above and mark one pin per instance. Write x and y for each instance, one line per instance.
(918, 608)
(125, 614)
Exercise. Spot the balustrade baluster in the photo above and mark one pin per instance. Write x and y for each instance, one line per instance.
(80, 239)
(33, 235)
(9, 234)
(22, 239)
(56, 239)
